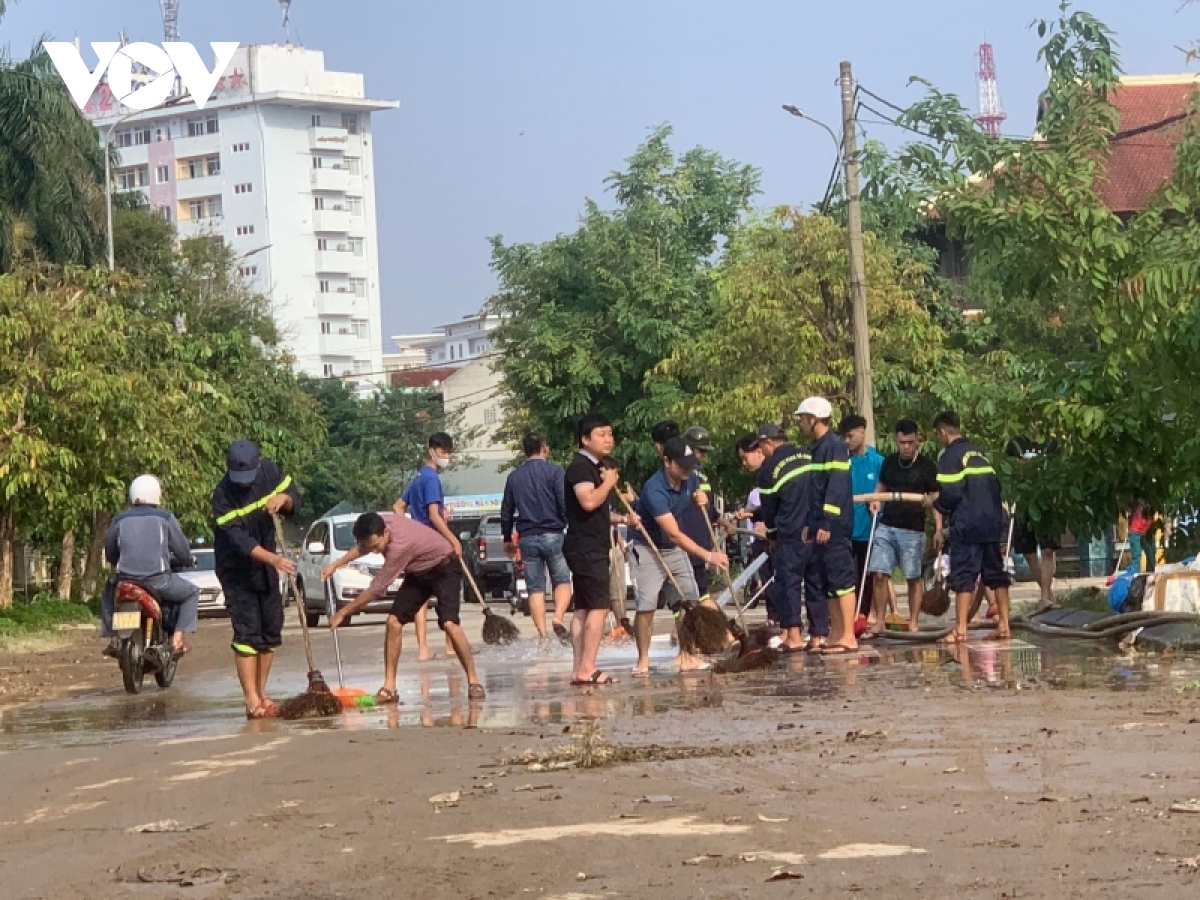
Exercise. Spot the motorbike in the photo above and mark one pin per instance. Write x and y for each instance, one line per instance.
(519, 590)
(144, 635)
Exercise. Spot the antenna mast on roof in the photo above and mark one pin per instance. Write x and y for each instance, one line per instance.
(170, 17)
(288, 34)
(990, 114)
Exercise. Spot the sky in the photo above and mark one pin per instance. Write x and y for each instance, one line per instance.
(512, 112)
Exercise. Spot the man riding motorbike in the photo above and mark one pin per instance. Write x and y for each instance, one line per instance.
(145, 543)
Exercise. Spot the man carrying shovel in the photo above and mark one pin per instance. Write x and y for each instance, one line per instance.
(430, 568)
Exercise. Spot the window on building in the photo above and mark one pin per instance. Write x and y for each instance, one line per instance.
(451, 352)
(328, 369)
(316, 120)
(199, 167)
(354, 205)
(141, 136)
(203, 125)
(350, 122)
(124, 138)
(357, 246)
(361, 328)
(358, 286)
(243, 188)
(212, 165)
(248, 271)
(318, 162)
(324, 286)
(132, 178)
(354, 164)
(489, 416)
(318, 202)
(164, 211)
(159, 137)
(240, 148)
(322, 243)
(245, 229)
(204, 208)
(162, 174)
(325, 327)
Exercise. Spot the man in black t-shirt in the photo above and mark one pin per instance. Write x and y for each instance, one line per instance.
(900, 537)
(1033, 542)
(591, 478)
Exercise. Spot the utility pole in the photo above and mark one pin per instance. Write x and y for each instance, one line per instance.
(858, 269)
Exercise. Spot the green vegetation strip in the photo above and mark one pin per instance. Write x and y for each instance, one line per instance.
(40, 616)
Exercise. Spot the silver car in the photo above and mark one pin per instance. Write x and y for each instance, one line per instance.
(204, 576)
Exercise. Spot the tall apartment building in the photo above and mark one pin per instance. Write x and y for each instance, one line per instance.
(454, 344)
(280, 165)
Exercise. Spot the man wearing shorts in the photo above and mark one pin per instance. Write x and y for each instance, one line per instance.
(430, 568)
(900, 536)
(665, 499)
(1030, 541)
(969, 496)
(249, 565)
(535, 506)
(590, 480)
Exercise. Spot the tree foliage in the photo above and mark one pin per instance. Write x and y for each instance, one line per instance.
(1092, 333)
(591, 314)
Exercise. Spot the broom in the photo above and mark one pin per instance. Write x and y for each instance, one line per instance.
(496, 629)
(702, 629)
(318, 700)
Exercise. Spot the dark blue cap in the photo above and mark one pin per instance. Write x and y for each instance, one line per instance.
(242, 460)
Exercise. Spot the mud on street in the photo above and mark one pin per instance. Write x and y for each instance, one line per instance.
(990, 771)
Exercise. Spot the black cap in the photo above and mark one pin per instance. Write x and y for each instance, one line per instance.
(769, 431)
(698, 439)
(677, 451)
(242, 460)
(664, 431)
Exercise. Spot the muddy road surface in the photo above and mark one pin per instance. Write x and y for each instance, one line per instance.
(996, 771)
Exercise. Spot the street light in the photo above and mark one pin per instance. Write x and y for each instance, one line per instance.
(108, 185)
(801, 114)
(252, 252)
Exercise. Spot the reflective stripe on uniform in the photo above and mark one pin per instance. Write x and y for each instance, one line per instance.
(256, 505)
(834, 466)
(959, 476)
(845, 592)
(832, 510)
(795, 473)
(244, 650)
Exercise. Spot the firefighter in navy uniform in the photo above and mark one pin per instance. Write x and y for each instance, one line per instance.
(831, 522)
(969, 497)
(783, 486)
(249, 564)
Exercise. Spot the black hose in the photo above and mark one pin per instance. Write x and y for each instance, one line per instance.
(1108, 627)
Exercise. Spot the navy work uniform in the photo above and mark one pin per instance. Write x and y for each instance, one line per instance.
(969, 498)
(831, 508)
(252, 595)
(784, 483)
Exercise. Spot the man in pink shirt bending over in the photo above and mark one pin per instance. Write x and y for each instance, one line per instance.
(430, 568)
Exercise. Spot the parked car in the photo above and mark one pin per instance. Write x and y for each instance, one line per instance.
(328, 540)
(483, 552)
(204, 576)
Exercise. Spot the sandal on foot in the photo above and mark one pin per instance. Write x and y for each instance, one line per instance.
(598, 677)
(639, 673)
(476, 692)
(951, 639)
(837, 650)
(384, 697)
(560, 631)
(262, 712)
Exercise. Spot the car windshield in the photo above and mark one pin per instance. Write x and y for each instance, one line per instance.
(343, 536)
(205, 560)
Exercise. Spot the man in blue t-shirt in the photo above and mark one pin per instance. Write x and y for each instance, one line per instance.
(665, 497)
(424, 501)
(865, 465)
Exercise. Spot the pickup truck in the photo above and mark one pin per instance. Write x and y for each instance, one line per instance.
(484, 554)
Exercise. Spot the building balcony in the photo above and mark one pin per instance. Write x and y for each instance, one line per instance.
(330, 179)
(341, 303)
(333, 220)
(340, 261)
(342, 343)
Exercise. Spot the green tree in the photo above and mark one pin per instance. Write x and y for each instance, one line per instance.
(782, 331)
(1091, 336)
(590, 315)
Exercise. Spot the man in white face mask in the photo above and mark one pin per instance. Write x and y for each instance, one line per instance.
(424, 501)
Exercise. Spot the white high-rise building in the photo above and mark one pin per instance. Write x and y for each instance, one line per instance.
(280, 164)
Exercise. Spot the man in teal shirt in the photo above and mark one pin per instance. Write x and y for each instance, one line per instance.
(865, 464)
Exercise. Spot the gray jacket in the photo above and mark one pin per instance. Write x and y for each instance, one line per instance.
(144, 540)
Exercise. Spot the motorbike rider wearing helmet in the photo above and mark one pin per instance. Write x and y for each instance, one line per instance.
(145, 543)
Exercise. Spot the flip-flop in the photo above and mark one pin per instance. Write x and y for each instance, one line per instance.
(595, 679)
(952, 639)
(560, 631)
(786, 649)
(639, 673)
(476, 692)
(838, 650)
(384, 697)
(810, 647)
(262, 712)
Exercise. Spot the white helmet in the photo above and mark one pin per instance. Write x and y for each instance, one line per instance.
(145, 489)
(817, 407)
